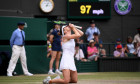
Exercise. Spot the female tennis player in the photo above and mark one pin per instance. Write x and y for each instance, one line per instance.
(67, 64)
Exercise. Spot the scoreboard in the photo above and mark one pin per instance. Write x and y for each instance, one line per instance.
(89, 9)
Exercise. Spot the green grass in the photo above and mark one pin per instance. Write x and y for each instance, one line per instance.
(111, 76)
(99, 76)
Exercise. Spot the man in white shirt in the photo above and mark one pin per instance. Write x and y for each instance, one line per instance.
(90, 31)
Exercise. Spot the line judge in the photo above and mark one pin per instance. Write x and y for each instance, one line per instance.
(17, 42)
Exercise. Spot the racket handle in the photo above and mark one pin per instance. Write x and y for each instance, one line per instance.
(79, 27)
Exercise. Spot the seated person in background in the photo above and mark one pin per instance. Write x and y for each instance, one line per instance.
(119, 52)
(92, 51)
(79, 55)
(130, 46)
(137, 36)
(118, 42)
(49, 50)
(136, 42)
(137, 48)
(98, 44)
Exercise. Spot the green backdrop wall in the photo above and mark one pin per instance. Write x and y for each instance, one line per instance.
(36, 28)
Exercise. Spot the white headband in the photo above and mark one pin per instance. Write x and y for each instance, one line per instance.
(62, 29)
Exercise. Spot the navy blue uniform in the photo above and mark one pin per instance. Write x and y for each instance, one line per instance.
(56, 45)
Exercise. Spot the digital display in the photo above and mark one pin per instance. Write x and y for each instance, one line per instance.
(89, 9)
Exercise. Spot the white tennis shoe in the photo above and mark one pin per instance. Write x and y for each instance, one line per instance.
(51, 73)
(29, 74)
(46, 80)
(9, 74)
(58, 72)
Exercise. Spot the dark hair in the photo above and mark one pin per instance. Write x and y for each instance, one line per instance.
(129, 37)
(91, 43)
(92, 22)
(77, 44)
(55, 25)
(60, 32)
(20, 24)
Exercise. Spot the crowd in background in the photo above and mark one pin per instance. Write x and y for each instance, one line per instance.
(95, 46)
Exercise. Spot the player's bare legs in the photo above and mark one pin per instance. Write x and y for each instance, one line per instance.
(53, 54)
(65, 80)
(57, 62)
(73, 76)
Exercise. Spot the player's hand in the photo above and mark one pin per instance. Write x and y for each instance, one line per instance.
(71, 25)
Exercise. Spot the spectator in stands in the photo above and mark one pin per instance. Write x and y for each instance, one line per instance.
(136, 42)
(119, 52)
(55, 40)
(89, 32)
(99, 45)
(118, 42)
(130, 47)
(137, 37)
(79, 55)
(92, 51)
(137, 48)
(49, 50)
(49, 46)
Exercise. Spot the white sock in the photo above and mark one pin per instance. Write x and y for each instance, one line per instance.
(57, 70)
(50, 70)
(57, 77)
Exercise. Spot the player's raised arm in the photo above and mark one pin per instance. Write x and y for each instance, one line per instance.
(80, 32)
(72, 36)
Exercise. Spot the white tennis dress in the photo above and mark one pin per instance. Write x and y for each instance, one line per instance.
(67, 61)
